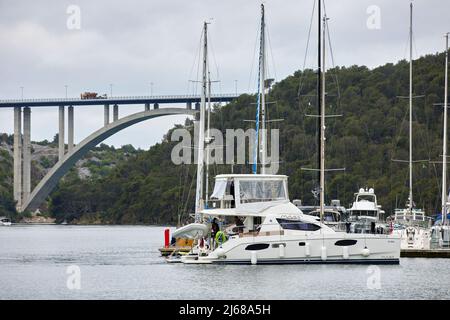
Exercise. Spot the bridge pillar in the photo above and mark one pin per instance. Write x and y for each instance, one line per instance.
(116, 112)
(18, 156)
(70, 129)
(106, 114)
(26, 153)
(147, 106)
(189, 105)
(61, 145)
(156, 106)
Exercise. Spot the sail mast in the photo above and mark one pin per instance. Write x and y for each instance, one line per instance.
(322, 130)
(319, 77)
(260, 103)
(208, 138)
(201, 132)
(444, 138)
(262, 85)
(410, 205)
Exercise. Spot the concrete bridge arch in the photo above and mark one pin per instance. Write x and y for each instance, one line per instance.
(49, 182)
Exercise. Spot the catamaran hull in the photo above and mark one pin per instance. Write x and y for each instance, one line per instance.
(311, 261)
(318, 249)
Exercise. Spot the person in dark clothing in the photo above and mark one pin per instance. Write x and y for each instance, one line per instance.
(232, 194)
(372, 227)
(239, 225)
(214, 230)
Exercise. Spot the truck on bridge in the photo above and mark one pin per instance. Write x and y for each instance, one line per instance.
(92, 95)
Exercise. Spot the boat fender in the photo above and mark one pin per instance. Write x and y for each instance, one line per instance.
(307, 249)
(323, 253)
(220, 252)
(281, 246)
(365, 252)
(345, 252)
(220, 237)
(254, 258)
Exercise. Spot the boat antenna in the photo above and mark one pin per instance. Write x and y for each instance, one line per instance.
(199, 205)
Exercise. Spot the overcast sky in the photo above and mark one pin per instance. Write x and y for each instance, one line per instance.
(134, 43)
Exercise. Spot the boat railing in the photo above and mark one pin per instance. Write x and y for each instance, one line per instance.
(220, 203)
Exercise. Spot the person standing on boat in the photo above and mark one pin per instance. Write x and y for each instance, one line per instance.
(214, 229)
(239, 225)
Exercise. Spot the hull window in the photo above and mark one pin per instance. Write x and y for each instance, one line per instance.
(277, 245)
(345, 243)
(301, 244)
(257, 246)
(297, 225)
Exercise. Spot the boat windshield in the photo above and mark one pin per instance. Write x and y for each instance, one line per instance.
(365, 213)
(365, 197)
(261, 190)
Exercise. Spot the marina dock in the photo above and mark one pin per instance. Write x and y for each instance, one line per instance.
(431, 253)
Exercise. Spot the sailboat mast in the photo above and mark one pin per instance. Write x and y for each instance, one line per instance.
(201, 133)
(260, 102)
(319, 77)
(262, 85)
(208, 139)
(410, 112)
(322, 130)
(444, 138)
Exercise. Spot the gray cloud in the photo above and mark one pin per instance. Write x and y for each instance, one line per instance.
(132, 43)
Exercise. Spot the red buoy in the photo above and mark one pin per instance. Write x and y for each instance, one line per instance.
(166, 238)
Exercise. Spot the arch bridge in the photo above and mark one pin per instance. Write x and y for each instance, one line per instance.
(31, 200)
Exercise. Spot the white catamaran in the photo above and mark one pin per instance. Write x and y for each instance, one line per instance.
(259, 223)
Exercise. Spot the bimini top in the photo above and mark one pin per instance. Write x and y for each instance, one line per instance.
(249, 193)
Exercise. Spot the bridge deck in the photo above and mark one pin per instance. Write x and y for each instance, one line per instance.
(166, 99)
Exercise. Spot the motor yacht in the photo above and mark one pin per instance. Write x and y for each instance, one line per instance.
(365, 214)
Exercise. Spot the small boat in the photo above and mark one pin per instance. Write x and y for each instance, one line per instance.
(191, 231)
(365, 215)
(183, 239)
(5, 221)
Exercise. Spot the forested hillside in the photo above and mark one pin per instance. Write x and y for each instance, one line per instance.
(373, 130)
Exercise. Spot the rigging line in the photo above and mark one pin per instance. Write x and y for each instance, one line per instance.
(211, 44)
(270, 50)
(406, 48)
(306, 51)
(182, 201)
(397, 138)
(179, 192)
(196, 58)
(438, 198)
(189, 192)
(198, 66)
(414, 45)
(333, 64)
(253, 60)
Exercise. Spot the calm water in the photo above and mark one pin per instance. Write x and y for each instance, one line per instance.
(124, 263)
